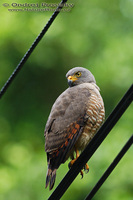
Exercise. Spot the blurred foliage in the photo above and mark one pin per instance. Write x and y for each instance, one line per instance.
(97, 35)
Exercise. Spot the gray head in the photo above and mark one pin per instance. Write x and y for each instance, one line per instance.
(78, 75)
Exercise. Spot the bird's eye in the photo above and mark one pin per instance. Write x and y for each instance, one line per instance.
(78, 74)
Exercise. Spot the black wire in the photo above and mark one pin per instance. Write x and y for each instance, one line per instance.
(35, 43)
(110, 168)
(93, 145)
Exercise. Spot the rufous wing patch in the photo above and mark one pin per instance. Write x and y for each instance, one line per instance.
(59, 155)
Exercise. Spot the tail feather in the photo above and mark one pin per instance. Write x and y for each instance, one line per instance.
(50, 179)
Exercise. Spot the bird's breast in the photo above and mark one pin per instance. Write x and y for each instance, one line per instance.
(95, 116)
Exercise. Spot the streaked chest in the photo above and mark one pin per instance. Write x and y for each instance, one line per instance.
(95, 114)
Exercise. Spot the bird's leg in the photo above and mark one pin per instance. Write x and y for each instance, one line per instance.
(73, 161)
(86, 168)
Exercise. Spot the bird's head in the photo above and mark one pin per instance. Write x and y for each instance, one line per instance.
(78, 75)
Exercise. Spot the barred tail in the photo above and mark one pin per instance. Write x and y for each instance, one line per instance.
(50, 178)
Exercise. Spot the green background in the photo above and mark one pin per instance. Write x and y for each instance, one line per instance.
(97, 35)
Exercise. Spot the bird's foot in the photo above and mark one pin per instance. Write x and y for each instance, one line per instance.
(70, 164)
(82, 174)
(86, 168)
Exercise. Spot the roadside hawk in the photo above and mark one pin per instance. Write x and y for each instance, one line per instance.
(74, 119)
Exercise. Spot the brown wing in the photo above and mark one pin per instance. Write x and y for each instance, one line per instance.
(65, 124)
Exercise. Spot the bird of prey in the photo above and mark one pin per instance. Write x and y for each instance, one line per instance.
(74, 119)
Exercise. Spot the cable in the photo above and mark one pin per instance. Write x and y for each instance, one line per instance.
(93, 145)
(110, 168)
(31, 49)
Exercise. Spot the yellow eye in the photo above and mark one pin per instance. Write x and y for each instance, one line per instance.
(78, 74)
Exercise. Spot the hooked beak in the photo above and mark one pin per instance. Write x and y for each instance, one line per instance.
(71, 80)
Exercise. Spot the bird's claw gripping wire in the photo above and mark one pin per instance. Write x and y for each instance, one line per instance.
(86, 167)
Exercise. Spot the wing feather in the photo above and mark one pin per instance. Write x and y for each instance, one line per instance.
(69, 108)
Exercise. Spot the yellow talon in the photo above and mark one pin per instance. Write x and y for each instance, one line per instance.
(86, 167)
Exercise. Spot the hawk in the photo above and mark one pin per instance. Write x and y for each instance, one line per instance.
(74, 119)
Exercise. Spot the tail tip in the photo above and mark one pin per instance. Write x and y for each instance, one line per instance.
(50, 178)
